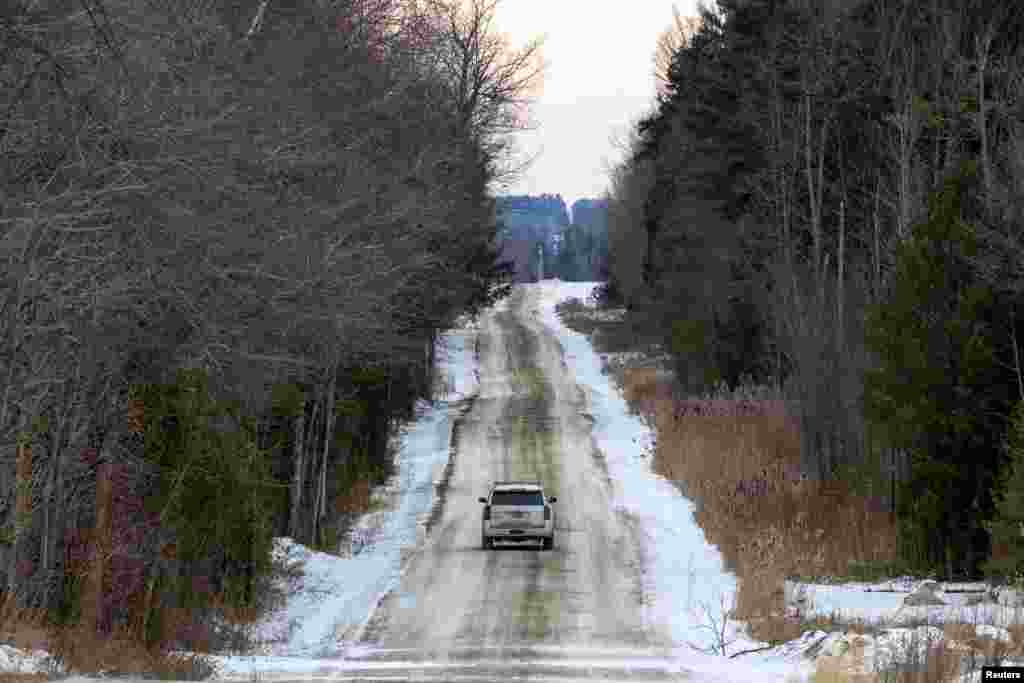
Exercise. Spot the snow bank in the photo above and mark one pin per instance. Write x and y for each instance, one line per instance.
(882, 603)
(687, 573)
(13, 660)
(686, 582)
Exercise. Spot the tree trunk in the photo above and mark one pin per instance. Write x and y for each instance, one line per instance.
(1016, 352)
(840, 276)
(321, 507)
(820, 189)
(22, 512)
(5, 403)
(892, 484)
(52, 557)
(328, 432)
(812, 195)
(148, 606)
(949, 543)
(380, 430)
(311, 444)
(299, 462)
(907, 132)
(92, 595)
(878, 254)
(983, 45)
(428, 357)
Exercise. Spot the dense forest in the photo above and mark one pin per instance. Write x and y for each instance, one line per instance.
(230, 234)
(828, 197)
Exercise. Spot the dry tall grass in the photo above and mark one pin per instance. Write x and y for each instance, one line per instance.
(79, 648)
(22, 628)
(26, 630)
(737, 456)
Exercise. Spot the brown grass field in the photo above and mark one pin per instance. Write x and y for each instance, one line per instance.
(738, 458)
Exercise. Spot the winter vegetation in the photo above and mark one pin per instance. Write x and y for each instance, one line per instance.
(817, 576)
(826, 200)
(230, 235)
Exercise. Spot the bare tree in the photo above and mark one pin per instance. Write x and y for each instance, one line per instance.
(491, 83)
(670, 41)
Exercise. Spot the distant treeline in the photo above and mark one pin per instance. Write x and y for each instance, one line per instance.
(537, 235)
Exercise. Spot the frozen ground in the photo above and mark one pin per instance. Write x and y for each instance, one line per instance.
(318, 633)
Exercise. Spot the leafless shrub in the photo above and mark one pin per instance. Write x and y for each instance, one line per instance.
(717, 622)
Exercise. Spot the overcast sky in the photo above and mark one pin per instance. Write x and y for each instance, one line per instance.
(599, 78)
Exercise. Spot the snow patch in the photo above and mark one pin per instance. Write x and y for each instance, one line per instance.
(13, 660)
(688, 586)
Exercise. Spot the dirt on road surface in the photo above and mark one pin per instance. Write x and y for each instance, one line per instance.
(575, 612)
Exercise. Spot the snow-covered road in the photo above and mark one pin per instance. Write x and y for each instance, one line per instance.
(529, 421)
(623, 594)
(628, 593)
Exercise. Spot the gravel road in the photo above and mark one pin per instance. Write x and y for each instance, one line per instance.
(574, 613)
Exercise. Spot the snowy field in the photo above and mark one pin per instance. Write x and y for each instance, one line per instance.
(686, 581)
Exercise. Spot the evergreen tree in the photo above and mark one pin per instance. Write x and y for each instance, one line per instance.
(704, 149)
(938, 391)
(1007, 528)
(215, 491)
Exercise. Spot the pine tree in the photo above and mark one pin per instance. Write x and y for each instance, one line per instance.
(215, 489)
(938, 391)
(1007, 528)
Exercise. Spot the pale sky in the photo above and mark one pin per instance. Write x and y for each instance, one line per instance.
(599, 78)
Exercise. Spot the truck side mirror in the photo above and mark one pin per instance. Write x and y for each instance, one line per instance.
(482, 500)
(552, 499)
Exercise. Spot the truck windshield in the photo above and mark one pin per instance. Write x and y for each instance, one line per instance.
(534, 498)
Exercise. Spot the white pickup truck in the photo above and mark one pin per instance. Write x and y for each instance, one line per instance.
(518, 512)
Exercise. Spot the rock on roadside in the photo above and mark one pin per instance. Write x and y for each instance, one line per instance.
(926, 593)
